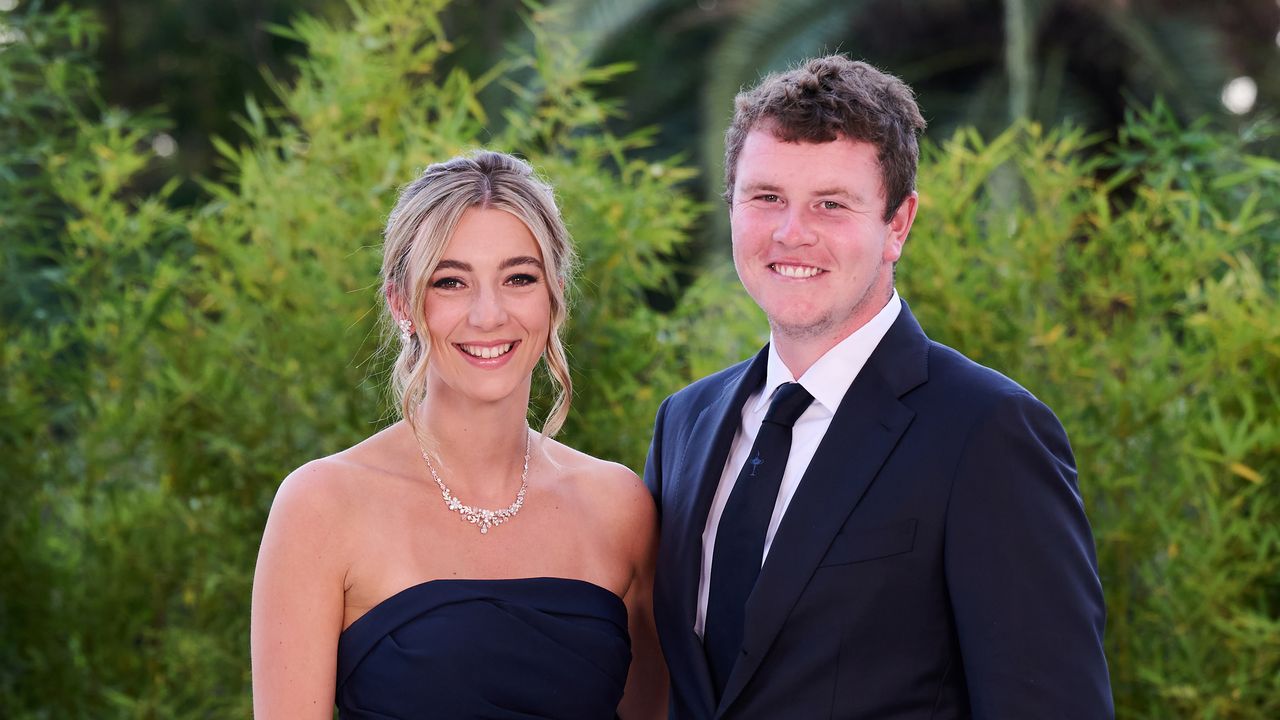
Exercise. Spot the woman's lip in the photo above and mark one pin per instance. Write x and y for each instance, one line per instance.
(488, 363)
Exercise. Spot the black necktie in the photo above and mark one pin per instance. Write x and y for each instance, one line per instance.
(739, 545)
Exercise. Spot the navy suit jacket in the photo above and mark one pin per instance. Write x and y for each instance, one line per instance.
(935, 561)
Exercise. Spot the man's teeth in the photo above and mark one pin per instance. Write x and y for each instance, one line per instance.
(487, 352)
(795, 271)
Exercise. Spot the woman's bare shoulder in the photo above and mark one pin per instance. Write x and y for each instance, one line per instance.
(319, 483)
(339, 483)
(613, 490)
(588, 468)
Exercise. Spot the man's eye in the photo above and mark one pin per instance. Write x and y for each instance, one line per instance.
(447, 283)
(831, 205)
(770, 198)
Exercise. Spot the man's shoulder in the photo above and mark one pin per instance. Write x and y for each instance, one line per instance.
(707, 390)
(976, 385)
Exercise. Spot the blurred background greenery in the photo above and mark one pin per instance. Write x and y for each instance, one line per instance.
(190, 202)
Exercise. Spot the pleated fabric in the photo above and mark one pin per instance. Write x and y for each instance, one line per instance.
(499, 649)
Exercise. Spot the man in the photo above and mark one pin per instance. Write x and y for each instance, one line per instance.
(860, 522)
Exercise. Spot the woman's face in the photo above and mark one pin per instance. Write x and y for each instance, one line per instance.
(488, 308)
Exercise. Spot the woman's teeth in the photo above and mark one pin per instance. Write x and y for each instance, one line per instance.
(487, 352)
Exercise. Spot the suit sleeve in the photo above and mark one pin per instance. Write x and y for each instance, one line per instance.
(1022, 571)
(653, 463)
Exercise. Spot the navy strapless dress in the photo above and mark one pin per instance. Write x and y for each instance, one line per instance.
(522, 648)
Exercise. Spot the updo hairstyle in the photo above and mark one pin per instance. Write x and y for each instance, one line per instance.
(419, 228)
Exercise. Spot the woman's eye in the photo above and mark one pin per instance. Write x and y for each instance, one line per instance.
(522, 279)
(447, 283)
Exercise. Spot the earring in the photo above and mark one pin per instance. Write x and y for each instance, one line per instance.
(406, 330)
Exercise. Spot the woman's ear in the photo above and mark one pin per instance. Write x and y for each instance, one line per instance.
(395, 301)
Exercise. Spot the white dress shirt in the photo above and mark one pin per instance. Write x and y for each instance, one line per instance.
(826, 380)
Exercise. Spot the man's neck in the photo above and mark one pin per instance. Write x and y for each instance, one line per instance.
(800, 355)
(800, 351)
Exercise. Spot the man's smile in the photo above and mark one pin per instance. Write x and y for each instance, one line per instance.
(800, 272)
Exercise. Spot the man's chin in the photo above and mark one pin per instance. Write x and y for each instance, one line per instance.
(796, 330)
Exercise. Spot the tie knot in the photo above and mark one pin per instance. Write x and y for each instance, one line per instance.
(789, 403)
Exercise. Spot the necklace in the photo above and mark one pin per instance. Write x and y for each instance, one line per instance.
(483, 517)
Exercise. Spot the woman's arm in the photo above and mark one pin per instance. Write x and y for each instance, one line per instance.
(298, 598)
(646, 692)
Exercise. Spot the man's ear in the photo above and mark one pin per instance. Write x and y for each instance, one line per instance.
(900, 226)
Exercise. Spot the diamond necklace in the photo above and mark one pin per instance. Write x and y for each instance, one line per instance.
(483, 517)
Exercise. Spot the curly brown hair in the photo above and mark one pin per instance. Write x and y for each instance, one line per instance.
(826, 98)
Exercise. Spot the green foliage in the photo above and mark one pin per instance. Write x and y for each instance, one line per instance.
(1143, 309)
(164, 368)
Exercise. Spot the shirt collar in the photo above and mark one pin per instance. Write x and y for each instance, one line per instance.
(829, 378)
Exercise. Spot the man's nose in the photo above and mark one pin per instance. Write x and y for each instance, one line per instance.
(794, 227)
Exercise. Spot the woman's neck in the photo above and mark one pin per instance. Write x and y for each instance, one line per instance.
(478, 449)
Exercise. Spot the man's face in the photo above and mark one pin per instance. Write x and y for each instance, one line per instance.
(810, 242)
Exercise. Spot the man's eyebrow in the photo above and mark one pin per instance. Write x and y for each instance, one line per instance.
(760, 187)
(520, 260)
(756, 187)
(839, 191)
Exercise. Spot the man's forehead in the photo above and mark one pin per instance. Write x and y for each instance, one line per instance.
(766, 133)
(839, 167)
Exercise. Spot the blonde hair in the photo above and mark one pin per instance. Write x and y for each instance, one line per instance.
(419, 228)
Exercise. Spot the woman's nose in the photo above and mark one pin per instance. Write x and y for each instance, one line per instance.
(487, 311)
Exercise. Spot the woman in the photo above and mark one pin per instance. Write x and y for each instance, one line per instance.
(457, 563)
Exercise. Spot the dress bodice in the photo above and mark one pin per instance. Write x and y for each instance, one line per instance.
(519, 648)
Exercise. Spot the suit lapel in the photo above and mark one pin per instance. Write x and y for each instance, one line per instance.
(696, 477)
(863, 432)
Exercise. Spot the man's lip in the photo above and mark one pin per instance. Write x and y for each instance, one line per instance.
(817, 270)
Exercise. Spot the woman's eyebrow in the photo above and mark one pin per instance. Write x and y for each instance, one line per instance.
(510, 262)
(520, 260)
(453, 265)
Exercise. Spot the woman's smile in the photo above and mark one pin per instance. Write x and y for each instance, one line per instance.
(488, 355)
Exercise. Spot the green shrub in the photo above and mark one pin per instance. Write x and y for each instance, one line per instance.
(164, 367)
(203, 353)
(1143, 309)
